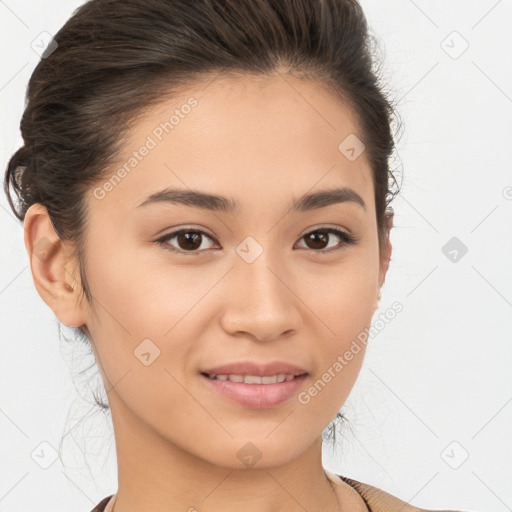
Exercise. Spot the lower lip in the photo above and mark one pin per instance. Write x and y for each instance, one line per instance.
(257, 396)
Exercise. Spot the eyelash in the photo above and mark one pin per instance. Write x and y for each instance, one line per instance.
(347, 239)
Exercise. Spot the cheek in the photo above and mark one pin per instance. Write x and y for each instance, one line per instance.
(343, 296)
(145, 310)
(135, 295)
(343, 301)
(119, 321)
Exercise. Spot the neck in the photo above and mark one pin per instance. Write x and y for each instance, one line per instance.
(155, 474)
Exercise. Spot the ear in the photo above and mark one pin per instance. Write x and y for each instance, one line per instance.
(385, 255)
(52, 267)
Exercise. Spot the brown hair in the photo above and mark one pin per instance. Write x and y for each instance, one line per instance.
(114, 58)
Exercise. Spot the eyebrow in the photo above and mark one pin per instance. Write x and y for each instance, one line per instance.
(198, 199)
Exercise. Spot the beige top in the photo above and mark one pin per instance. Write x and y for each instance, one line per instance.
(375, 499)
(110, 504)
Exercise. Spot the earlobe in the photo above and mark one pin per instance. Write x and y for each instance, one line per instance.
(51, 267)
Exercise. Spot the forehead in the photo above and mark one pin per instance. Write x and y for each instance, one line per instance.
(250, 138)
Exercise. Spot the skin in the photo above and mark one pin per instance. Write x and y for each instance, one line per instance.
(264, 142)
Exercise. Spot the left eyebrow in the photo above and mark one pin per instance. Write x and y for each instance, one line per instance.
(197, 199)
(192, 198)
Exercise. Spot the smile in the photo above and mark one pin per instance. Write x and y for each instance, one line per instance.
(255, 391)
(254, 379)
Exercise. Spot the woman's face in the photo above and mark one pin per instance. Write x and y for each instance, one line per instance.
(253, 287)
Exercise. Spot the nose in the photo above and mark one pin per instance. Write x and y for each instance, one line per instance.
(260, 301)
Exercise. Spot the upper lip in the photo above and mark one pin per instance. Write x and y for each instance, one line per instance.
(254, 368)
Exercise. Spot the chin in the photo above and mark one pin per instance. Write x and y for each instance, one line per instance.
(260, 451)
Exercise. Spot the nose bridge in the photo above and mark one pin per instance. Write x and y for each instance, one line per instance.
(256, 271)
(259, 301)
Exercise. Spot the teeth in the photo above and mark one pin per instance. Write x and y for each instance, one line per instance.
(254, 379)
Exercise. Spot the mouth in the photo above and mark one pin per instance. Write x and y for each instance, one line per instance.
(255, 379)
(255, 391)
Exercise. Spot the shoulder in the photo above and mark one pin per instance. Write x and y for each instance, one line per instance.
(101, 506)
(378, 500)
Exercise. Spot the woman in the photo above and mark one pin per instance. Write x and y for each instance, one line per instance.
(205, 191)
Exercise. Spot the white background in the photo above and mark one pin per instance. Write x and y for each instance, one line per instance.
(438, 373)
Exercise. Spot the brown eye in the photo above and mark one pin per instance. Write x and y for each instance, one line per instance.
(318, 239)
(189, 241)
